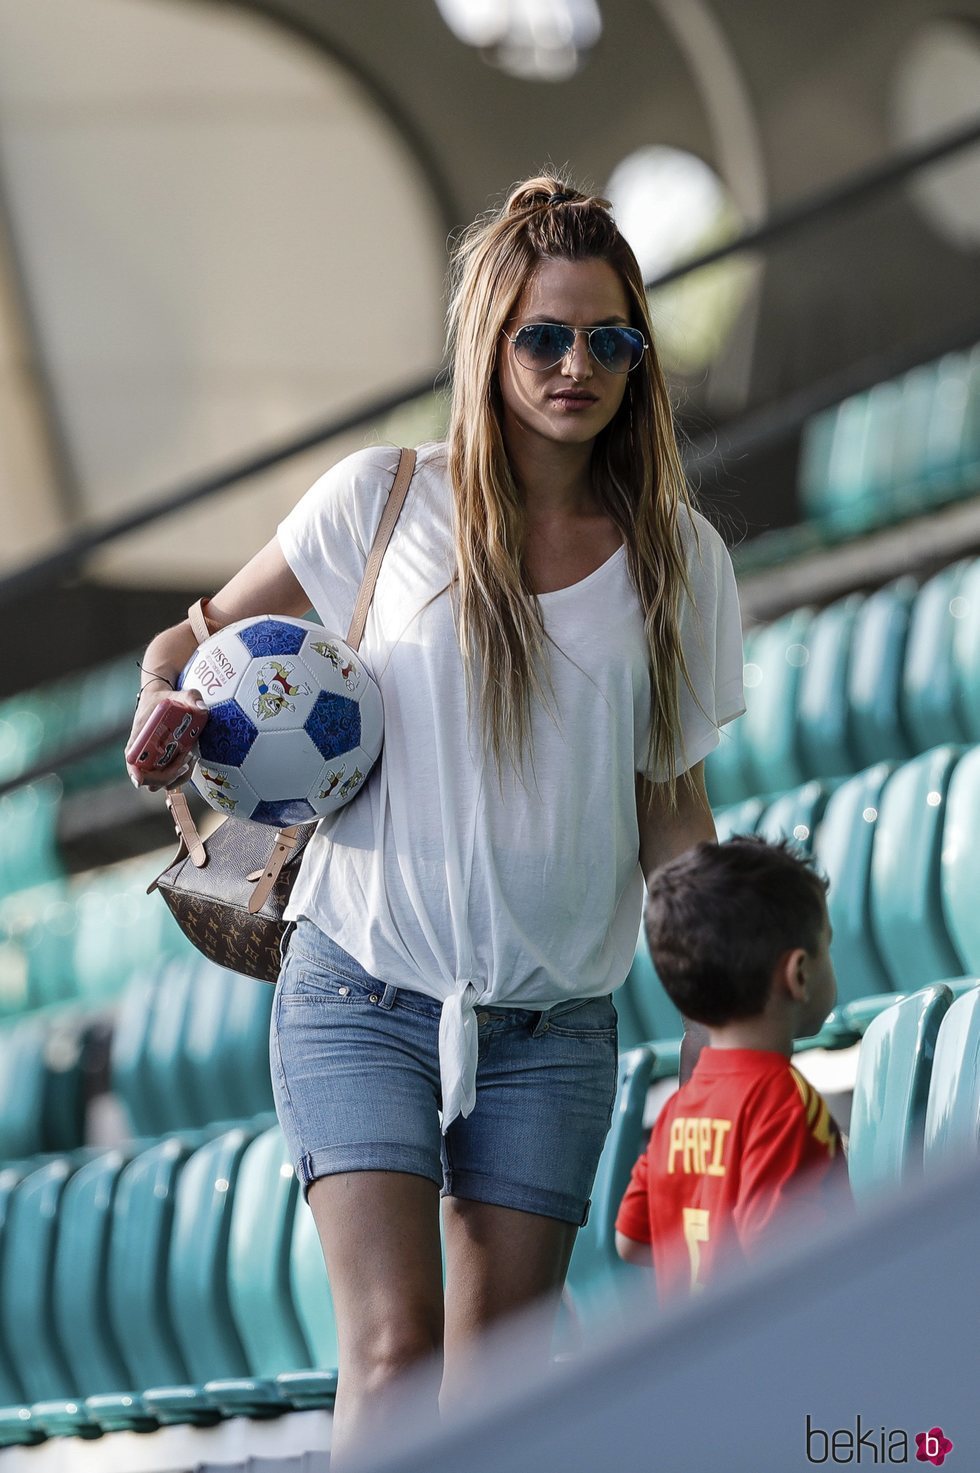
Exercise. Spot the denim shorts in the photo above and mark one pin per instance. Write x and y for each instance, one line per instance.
(355, 1069)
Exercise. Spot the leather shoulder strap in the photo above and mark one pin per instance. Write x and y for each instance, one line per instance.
(198, 621)
(393, 506)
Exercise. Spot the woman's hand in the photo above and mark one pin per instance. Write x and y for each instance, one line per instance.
(178, 770)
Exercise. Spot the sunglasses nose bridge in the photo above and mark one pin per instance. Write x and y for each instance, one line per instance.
(579, 351)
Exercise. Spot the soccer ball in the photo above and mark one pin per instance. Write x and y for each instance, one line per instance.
(295, 721)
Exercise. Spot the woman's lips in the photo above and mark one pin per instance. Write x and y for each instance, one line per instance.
(574, 403)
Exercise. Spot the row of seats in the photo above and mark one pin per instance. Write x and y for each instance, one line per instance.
(184, 1283)
(39, 724)
(870, 678)
(81, 940)
(895, 450)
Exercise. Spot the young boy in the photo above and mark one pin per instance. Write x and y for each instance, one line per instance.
(740, 936)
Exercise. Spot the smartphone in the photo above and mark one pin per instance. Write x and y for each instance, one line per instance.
(169, 732)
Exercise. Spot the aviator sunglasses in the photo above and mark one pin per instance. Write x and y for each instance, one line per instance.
(541, 345)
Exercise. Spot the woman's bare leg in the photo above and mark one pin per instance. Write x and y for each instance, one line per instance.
(498, 1261)
(379, 1231)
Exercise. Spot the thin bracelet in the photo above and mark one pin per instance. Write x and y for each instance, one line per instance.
(153, 676)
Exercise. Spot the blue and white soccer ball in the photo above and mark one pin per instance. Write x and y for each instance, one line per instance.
(295, 720)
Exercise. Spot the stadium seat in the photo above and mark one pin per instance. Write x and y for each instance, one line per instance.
(930, 707)
(795, 815)
(905, 898)
(816, 450)
(874, 675)
(140, 1312)
(198, 1286)
(960, 859)
(888, 1107)
(259, 1249)
(843, 848)
(317, 1386)
(850, 505)
(658, 1017)
(769, 729)
(726, 775)
(822, 709)
(965, 609)
(11, 1391)
(911, 493)
(212, 1048)
(946, 432)
(741, 818)
(952, 1128)
(22, 1088)
(244, 1058)
(27, 1305)
(599, 1283)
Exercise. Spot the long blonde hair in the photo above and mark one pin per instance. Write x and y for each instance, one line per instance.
(637, 475)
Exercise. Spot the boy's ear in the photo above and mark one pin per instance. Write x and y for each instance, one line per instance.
(791, 974)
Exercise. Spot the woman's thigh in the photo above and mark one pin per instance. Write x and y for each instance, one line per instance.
(544, 1101)
(355, 1067)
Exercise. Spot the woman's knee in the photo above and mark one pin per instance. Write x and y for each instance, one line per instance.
(383, 1347)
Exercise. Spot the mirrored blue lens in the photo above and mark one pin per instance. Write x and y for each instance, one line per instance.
(616, 349)
(542, 344)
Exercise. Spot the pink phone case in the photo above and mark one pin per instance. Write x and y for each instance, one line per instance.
(169, 732)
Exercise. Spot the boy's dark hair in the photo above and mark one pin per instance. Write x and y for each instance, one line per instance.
(720, 916)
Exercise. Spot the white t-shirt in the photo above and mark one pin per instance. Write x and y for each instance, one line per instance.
(433, 878)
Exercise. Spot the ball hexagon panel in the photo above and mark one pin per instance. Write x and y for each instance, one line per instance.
(340, 780)
(335, 665)
(282, 814)
(334, 724)
(228, 736)
(272, 636)
(224, 788)
(284, 764)
(278, 692)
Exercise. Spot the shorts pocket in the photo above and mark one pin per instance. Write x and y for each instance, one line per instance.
(588, 1017)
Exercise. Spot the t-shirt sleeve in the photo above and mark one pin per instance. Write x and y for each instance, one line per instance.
(711, 638)
(326, 537)
(792, 1160)
(633, 1217)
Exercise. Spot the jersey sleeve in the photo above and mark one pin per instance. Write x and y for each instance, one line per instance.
(326, 537)
(633, 1217)
(792, 1160)
(711, 637)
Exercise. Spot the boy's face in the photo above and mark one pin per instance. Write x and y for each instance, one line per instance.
(822, 982)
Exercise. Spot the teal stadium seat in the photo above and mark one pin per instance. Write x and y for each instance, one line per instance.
(851, 505)
(22, 1088)
(740, 818)
(930, 707)
(795, 815)
(947, 451)
(823, 709)
(816, 450)
(726, 772)
(952, 1128)
(843, 848)
(906, 902)
(313, 1301)
(769, 730)
(888, 1107)
(659, 1020)
(874, 676)
(599, 1284)
(212, 1049)
(965, 609)
(960, 860)
(259, 1249)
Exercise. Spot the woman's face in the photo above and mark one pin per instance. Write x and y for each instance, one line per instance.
(572, 402)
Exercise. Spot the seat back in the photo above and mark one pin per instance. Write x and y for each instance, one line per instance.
(139, 1252)
(81, 1277)
(965, 610)
(741, 818)
(197, 1277)
(874, 675)
(312, 1299)
(960, 859)
(930, 708)
(952, 1127)
(842, 848)
(244, 1058)
(259, 1258)
(906, 897)
(22, 1086)
(795, 815)
(169, 1075)
(11, 1391)
(769, 726)
(27, 1319)
(891, 1090)
(822, 708)
(597, 1279)
(726, 772)
(657, 1015)
(216, 1093)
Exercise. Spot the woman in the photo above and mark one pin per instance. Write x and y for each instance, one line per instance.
(556, 637)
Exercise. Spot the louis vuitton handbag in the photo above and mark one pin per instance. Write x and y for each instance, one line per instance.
(228, 892)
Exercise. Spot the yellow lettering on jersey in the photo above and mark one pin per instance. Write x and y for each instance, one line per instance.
(721, 1129)
(676, 1142)
(699, 1142)
(696, 1231)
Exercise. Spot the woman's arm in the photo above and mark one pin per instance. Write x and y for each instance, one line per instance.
(665, 833)
(266, 585)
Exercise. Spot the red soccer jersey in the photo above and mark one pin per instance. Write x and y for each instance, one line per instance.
(744, 1137)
